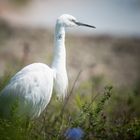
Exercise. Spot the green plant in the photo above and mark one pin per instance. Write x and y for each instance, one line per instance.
(95, 113)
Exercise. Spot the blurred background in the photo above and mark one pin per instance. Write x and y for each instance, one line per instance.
(107, 55)
(111, 51)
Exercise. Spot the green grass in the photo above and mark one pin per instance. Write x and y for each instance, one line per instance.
(102, 113)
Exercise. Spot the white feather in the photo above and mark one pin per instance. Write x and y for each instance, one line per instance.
(33, 85)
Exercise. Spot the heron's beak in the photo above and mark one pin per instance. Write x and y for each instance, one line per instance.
(83, 24)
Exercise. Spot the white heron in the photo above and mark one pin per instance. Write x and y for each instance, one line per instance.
(33, 84)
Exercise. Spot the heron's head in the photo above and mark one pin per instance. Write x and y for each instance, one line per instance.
(70, 21)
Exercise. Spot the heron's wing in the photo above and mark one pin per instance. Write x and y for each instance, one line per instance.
(30, 88)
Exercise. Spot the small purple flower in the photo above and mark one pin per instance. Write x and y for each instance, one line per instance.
(74, 133)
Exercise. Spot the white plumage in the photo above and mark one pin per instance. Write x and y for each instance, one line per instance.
(32, 86)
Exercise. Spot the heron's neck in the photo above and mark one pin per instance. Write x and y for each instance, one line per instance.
(59, 60)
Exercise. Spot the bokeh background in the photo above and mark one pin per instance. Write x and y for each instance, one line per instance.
(112, 50)
(107, 55)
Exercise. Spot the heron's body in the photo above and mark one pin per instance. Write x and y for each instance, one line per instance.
(32, 86)
(28, 88)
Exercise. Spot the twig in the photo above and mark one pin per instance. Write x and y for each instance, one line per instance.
(70, 93)
(67, 99)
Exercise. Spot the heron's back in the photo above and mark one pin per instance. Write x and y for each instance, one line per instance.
(30, 90)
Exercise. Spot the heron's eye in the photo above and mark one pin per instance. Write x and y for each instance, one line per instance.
(72, 20)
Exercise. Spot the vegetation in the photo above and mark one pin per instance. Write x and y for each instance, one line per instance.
(91, 110)
(104, 115)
